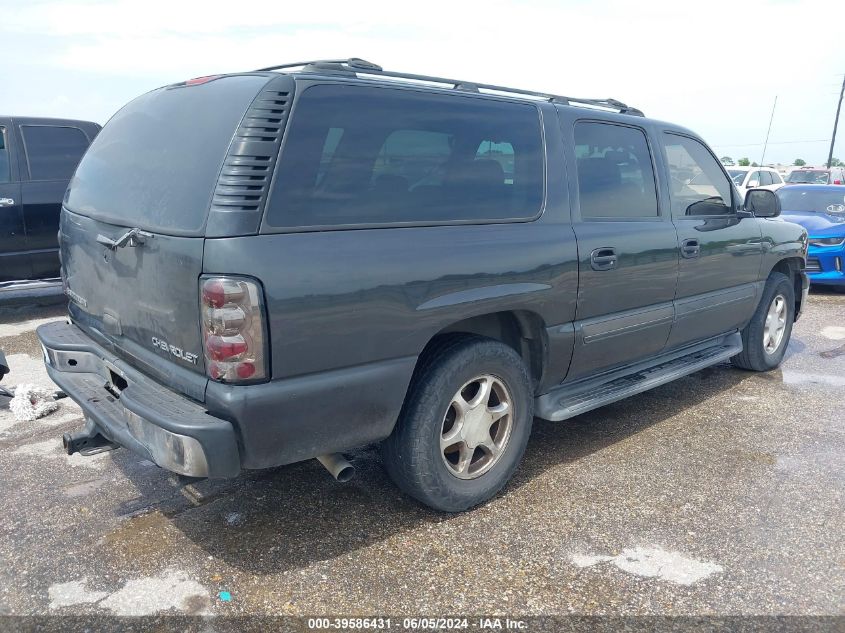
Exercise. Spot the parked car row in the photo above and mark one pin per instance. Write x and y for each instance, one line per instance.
(821, 210)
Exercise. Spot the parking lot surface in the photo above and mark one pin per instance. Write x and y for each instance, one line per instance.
(721, 493)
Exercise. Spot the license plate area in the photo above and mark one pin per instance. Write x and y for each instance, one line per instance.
(115, 379)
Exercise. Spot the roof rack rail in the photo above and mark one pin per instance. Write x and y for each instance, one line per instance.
(355, 65)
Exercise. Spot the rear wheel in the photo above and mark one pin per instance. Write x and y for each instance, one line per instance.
(765, 338)
(464, 424)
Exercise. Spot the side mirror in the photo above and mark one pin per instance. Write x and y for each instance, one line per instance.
(762, 203)
(753, 183)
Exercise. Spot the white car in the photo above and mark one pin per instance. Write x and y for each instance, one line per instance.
(746, 178)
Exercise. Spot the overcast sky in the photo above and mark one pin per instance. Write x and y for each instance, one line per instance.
(713, 66)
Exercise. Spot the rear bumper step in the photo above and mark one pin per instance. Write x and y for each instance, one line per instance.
(154, 422)
(569, 400)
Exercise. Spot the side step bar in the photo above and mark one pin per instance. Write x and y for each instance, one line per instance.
(569, 400)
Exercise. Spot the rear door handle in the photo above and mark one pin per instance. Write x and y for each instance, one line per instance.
(690, 248)
(7, 202)
(603, 258)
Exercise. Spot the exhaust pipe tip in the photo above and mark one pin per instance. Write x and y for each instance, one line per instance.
(338, 466)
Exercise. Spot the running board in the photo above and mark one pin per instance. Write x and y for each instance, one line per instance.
(569, 400)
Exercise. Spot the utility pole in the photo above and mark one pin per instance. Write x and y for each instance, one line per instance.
(835, 124)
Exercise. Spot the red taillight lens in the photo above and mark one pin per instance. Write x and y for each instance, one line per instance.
(837, 182)
(225, 347)
(218, 291)
(233, 329)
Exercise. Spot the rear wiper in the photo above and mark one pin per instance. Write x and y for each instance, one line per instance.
(132, 238)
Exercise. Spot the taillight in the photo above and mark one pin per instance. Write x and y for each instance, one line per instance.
(233, 329)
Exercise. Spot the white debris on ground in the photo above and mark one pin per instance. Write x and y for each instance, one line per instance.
(142, 596)
(653, 562)
(31, 402)
(30, 371)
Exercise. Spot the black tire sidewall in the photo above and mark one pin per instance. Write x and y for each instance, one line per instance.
(777, 284)
(436, 485)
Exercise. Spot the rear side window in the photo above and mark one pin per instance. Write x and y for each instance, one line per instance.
(699, 186)
(155, 163)
(615, 175)
(5, 167)
(356, 155)
(52, 152)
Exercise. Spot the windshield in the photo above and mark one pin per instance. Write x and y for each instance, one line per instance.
(155, 163)
(822, 201)
(809, 176)
(738, 175)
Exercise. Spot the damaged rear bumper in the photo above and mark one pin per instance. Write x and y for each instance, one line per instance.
(129, 409)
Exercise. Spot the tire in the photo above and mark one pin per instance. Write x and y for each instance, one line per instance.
(419, 456)
(756, 354)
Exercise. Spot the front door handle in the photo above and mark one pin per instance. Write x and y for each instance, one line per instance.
(690, 249)
(7, 202)
(603, 258)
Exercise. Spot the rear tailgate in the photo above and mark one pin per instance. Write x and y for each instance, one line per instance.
(141, 302)
(154, 170)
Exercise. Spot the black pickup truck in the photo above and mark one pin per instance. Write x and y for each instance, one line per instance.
(37, 159)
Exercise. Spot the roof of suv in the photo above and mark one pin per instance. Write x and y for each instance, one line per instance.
(354, 68)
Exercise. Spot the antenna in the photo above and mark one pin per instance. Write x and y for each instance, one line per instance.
(763, 157)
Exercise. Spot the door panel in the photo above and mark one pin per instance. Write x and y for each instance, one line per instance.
(717, 290)
(14, 259)
(627, 251)
(720, 253)
(624, 314)
(42, 206)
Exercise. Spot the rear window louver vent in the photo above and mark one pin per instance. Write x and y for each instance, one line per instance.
(245, 178)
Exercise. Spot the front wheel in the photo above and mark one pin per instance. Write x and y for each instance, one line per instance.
(765, 338)
(464, 425)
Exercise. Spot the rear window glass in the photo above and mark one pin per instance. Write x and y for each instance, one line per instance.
(155, 163)
(356, 155)
(809, 176)
(615, 178)
(52, 152)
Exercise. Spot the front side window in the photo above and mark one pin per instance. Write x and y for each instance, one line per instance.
(5, 167)
(765, 178)
(361, 155)
(52, 152)
(697, 183)
(615, 175)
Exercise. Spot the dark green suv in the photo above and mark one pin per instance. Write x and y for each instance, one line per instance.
(283, 264)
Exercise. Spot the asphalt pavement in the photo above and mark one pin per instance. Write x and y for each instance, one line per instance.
(721, 493)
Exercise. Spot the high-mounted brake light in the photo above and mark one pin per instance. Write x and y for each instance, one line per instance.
(233, 329)
(196, 81)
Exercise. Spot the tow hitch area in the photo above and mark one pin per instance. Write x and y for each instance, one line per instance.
(88, 441)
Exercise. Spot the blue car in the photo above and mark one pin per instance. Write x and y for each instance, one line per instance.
(821, 210)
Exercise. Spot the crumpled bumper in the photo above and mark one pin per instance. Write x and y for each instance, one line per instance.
(136, 412)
